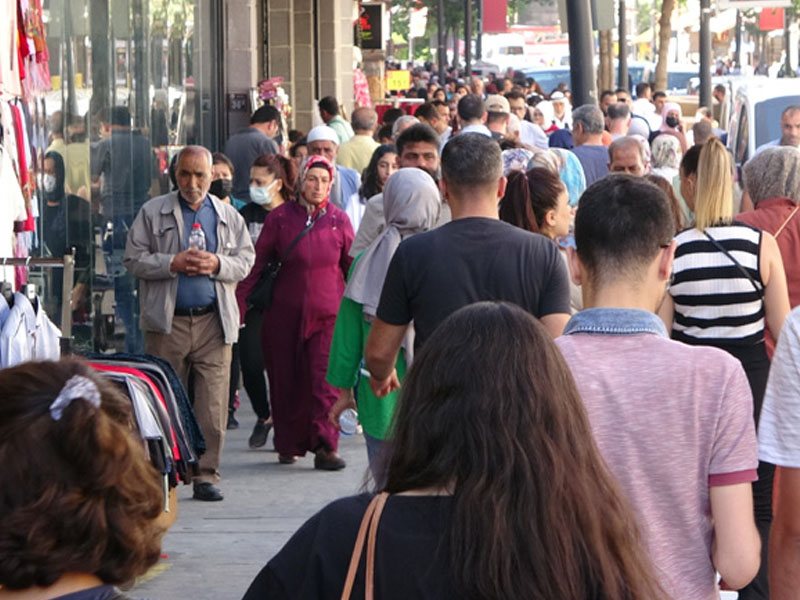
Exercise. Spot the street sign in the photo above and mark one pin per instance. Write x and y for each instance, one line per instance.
(398, 80)
(371, 26)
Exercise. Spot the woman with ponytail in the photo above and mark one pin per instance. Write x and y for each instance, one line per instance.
(728, 286)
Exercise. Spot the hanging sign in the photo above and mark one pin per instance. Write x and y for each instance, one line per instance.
(398, 80)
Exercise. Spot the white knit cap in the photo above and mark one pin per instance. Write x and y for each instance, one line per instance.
(322, 133)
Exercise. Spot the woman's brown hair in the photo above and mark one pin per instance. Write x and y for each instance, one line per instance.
(490, 411)
(529, 195)
(666, 187)
(77, 494)
(282, 168)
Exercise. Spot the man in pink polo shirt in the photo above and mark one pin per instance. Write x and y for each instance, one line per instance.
(674, 422)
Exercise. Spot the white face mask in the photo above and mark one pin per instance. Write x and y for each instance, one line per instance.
(262, 195)
(49, 183)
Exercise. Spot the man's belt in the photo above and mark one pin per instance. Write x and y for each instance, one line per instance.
(195, 311)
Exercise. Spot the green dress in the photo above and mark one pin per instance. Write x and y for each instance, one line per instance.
(347, 354)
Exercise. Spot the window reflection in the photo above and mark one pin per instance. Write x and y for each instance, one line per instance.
(132, 81)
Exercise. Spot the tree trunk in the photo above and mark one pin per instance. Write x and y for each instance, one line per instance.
(664, 37)
(605, 74)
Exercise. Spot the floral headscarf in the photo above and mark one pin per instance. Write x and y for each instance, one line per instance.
(312, 162)
(666, 152)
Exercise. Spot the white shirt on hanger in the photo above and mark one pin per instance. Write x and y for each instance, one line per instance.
(28, 334)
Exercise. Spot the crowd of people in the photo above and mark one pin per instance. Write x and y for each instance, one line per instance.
(574, 316)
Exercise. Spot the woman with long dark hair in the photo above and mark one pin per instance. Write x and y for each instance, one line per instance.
(495, 486)
(382, 164)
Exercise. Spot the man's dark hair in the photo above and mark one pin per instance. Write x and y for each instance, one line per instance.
(391, 115)
(621, 224)
(120, 116)
(471, 160)
(720, 88)
(622, 91)
(659, 94)
(470, 108)
(439, 103)
(515, 95)
(265, 114)
(496, 117)
(329, 105)
(690, 160)
(421, 132)
(618, 111)
(426, 111)
(641, 89)
(605, 93)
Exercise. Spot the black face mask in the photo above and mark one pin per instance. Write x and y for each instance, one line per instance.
(221, 188)
(673, 121)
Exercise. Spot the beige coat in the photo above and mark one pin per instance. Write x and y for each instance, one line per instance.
(155, 238)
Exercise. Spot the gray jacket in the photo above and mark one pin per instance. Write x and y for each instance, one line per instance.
(155, 238)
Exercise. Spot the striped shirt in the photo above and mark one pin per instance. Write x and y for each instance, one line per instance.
(715, 303)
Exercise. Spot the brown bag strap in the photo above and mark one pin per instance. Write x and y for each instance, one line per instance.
(369, 524)
(786, 222)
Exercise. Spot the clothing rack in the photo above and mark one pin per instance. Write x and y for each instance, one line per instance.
(68, 264)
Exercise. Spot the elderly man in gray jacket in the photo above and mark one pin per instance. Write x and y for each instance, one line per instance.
(189, 313)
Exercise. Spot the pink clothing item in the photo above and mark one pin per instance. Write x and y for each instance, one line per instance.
(670, 420)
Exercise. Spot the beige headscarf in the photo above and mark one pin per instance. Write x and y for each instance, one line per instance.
(773, 173)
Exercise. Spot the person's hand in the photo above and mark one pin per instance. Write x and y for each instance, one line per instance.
(344, 402)
(195, 262)
(384, 387)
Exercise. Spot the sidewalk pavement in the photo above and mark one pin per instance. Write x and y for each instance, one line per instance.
(215, 549)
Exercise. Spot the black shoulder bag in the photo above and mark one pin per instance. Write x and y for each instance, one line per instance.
(261, 296)
(759, 290)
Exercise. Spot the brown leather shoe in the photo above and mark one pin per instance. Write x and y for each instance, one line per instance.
(328, 460)
(287, 459)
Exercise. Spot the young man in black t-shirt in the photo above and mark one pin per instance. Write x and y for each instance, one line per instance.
(473, 258)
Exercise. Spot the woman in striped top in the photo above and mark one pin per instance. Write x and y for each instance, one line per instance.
(728, 284)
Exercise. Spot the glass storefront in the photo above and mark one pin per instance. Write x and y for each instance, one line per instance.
(132, 81)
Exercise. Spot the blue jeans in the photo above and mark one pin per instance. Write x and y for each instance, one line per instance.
(375, 456)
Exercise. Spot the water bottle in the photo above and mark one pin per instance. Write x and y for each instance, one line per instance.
(197, 239)
(348, 421)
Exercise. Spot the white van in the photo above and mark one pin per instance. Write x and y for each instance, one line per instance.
(504, 50)
(756, 115)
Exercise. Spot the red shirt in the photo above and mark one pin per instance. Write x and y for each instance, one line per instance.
(769, 215)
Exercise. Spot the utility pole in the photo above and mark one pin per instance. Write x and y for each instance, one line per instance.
(468, 39)
(705, 53)
(622, 31)
(581, 58)
(738, 56)
(441, 54)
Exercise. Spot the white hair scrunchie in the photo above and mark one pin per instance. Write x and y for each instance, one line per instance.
(77, 386)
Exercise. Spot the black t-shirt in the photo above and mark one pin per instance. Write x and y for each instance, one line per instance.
(410, 556)
(470, 260)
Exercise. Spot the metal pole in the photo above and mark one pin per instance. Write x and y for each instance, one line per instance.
(787, 36)
(622, 30)
(441, 54)
(468, 38)
(581, 59)
(705, 53)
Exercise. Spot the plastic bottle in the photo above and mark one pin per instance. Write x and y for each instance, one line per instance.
(197, 238)
(348, 421)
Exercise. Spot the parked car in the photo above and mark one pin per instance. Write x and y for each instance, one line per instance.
(756, 115)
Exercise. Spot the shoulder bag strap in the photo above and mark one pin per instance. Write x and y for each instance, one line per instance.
(299, 237)
(786, 222)
(369, 524)
(759, 290)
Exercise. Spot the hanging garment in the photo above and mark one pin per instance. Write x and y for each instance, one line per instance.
(28, 334)
(12, 208)
(9, 66)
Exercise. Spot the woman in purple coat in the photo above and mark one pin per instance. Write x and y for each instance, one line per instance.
(298, 327)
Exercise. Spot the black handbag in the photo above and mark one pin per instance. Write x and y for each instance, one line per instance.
(261, 296)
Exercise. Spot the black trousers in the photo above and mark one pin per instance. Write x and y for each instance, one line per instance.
(251, 362)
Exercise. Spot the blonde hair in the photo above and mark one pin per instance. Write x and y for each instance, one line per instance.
(714, 190)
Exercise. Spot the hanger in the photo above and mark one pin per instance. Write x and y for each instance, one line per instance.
(30, 289)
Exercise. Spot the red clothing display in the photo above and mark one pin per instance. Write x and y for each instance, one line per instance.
(769, 216)
(297, 329)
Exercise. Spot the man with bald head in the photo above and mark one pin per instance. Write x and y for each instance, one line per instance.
(357, 151)
(189, 313)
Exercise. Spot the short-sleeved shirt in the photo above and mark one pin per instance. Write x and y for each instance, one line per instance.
(671, 421)
(243, 148)
(470, 260)
(779, 428)
(594, 160)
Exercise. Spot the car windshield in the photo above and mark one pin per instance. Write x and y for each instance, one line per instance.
(768, 118)
(679, 80)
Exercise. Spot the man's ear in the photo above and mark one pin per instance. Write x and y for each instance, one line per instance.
(665, 260)
(501, 186)
(443, 188)
(575, 266)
